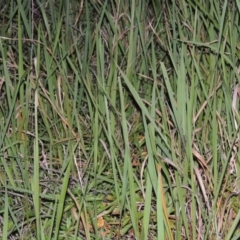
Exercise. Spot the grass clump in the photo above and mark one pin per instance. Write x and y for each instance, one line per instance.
(119, 120)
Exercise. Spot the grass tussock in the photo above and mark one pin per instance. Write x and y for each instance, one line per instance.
(119, 119)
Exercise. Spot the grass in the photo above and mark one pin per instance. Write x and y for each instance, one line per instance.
(119, 120)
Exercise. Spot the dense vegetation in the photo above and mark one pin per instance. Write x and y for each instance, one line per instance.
(119, 119)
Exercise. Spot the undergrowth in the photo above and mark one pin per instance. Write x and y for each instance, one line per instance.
(119, 119)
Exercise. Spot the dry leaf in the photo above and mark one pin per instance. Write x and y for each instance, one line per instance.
(100, 222)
